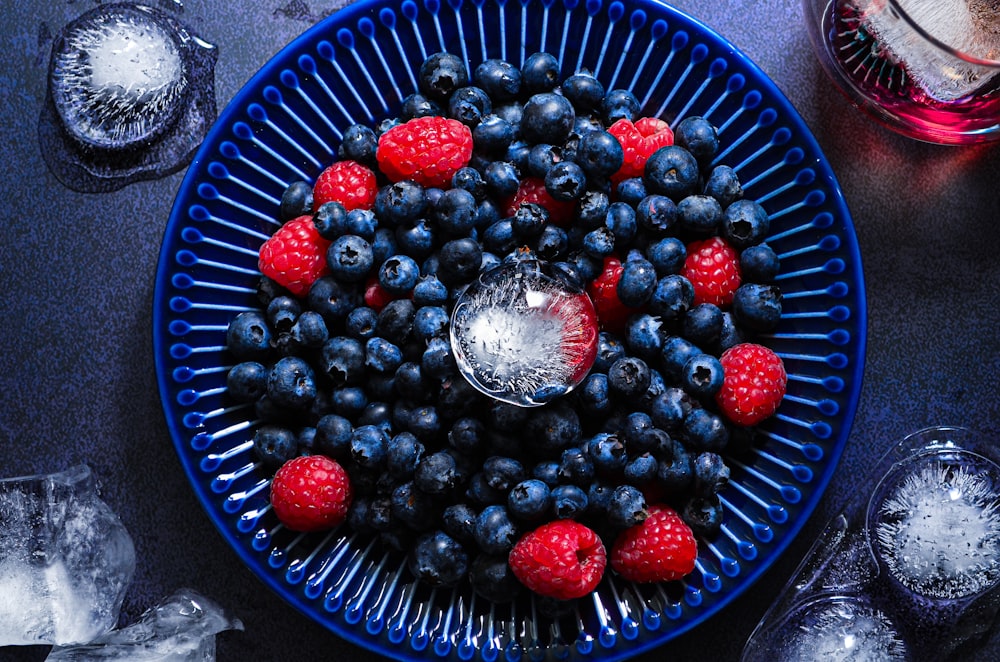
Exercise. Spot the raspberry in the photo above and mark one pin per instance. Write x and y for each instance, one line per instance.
(660, 549)
(753, 383)
(639, 140)
(295, 255)
(376, 296)
(611, 312)
(428, 150)
(562, 559)
(532, 189)
(311, 493)
(713, 267)
(347, 182)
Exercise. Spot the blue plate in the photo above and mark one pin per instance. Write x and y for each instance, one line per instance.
(357, 66)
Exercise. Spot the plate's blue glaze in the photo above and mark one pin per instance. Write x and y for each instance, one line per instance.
(357, 66)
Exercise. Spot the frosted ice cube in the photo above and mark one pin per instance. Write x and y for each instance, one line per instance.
(968, 26)
(840, 629)
(939, 531)
(181, 628)
(65, 559)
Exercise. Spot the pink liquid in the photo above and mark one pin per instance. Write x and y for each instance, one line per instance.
(886, 90)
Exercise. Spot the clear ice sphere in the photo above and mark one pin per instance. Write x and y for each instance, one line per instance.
(66, 560)
(968, 26)
(181, 628)
(938, 530)
(523, 334)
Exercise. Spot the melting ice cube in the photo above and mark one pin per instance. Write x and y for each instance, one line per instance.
(65, 559)
(938, 532)
(969, 26)
(181, 628)
(840, 629)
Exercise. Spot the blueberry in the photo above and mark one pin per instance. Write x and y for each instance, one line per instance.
(296, 200)
(438, 360)
(529, 500)
(745, 223)
(481, 494)
(592, 210)
(495, 532)
(502, 473)
(430, 322)
(529, 220)
(506, 417)
(698, 136)
(621, 221)
(644, 336)
(248, 336)
(429, 291)
(357, 514)
(518, 152)
(627, 507)
(369, 446)
(675, 354)
(459, 521)
(343, 360)
(413, 507)
(552, 244)
(553, 428)
(757, 306)
(492, 579)
(350, 258)
(575, 467)
(333, 436)
(565, 181)
(419, 105)
(469, 104)
(704, 515)
(632, 191)
(641, 470)
(594, 395)
(546, 471)
(568, 501)
(455, 212)
(619, 104)
(348, 401)
(436, 473)
(542, 157)
(441, 74)
(247, 381)
(499, 78)
(635, 429)
(330, 220)
(502, 179)
(400, 202)
(438, 560)
(599, 154)
(274, 445)
(629, 377)
(711, 474)
(759, 263)
(672, 297)
(403, 452)
(415, 240)
(702, 324)
(675, 471)
(703, 430)
(468, 436)
(669, 409)
(399, 274)
(291, 383)
(671, 171)
(723, 184)
(395, 321)
(425, 422)
(699, 214)
(667, 255)
(500, 237)
(702, 376)
(607, 453)
(310, 330)
(547, 118)
(333, 299)
(540, 73)
(361, 222)
(382, 356)
(637, 283)
(359, 144)
(460, 260)
(599, 243)
(360, 323)
(731, 333)
(583, 90)
(609, 350)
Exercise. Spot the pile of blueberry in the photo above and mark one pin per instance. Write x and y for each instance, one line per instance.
(376, 387)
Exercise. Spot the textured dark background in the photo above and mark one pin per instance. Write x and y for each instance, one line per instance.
(77, 380)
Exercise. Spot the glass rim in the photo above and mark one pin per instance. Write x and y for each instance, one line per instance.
(951, 50)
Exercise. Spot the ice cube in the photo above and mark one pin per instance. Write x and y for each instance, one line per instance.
(181, 628)
(938, 532)
(845, 629)
(969, 26)
(65, 559)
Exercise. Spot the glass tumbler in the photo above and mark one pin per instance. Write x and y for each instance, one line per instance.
(928, 69)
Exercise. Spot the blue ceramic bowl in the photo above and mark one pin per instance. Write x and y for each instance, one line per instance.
(357, 66)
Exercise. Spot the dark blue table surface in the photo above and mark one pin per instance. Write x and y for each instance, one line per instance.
(76, 288)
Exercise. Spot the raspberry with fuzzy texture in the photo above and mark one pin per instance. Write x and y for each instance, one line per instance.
(347, 182)
(660, 549)
(562, 559)
(713, 267)
(428, 150)
(295, 255)
(639, 140)
(753, 384)
(311, 493)
(532, 190)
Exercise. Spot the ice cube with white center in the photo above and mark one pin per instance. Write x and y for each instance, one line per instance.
(181, 628)
(524, 335)
(971, 27)
(937, 530)
(65, 559)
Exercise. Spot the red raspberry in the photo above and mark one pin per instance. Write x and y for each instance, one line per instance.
(713, 267)
(639, 141)
(376, 296)
(347, 182)
(428, 150)
(660, 549)
(532, 189)
(611, 312)
(295, 255)
(753, 384)
(562, 559)
(311, 493)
